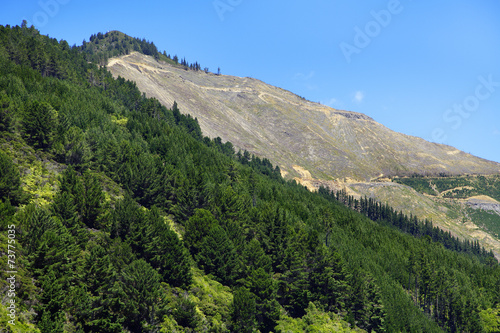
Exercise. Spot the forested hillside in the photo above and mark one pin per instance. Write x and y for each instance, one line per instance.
(118, 215)
(101, 47)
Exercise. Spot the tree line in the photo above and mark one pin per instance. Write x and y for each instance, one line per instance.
(154, 227)
(385, 214)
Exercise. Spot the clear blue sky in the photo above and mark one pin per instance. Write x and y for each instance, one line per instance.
(428, 69)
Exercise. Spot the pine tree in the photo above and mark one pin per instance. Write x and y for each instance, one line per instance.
(128, 223)
(165, 252)
(329, 280)
(366, 303)
(294, 291)
(10, 180)
(142, 289)
(264, 287)
(64, 208)
(243, 311)
(6, 112)
(40, 124)
(217, 255)
(93, 200)
(197, 228)
(255, 258)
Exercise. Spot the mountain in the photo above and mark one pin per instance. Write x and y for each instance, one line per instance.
(294, 133)
(314, 144)
(118, 215)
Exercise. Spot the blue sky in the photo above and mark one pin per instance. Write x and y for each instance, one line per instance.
(428, 69)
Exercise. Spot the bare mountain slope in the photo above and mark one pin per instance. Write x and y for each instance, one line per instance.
(312, 143)
(275, 123)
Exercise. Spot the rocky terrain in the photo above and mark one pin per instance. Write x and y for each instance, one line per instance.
(272, 122)
(312, 143)
(484, 203)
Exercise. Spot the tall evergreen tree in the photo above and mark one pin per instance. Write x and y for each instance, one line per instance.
(197, 228)
(243, 311)
(165, 252)
(10, 180)
(6, 112)
(217, 255)
(40, 123)
(93, 198)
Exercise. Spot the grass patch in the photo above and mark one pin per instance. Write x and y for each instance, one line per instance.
(486, 220)
(459, 187)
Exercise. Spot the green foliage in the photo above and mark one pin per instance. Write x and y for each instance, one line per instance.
(296, 260)
(73, 148)
(490, 319)
(166, 252)
(316, 321)
(388, 216)
(367, 307)
(243, 311)
(197, 228)
(6, 112)
(142, 287)
(487, 220)
(213, 298)
(460, 187)
(91, 201)
(185, 313)
(330, 280)
(39, 123)
(217, 255)
(10, 179)
(20, 326)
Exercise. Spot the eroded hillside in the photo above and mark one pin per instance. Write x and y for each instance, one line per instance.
(312, 143)
(269, 121)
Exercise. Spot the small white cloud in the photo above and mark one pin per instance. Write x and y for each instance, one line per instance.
(331, 102)
(359, 96)
(496, 132)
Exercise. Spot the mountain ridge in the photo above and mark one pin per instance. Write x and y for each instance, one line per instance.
(126, 218)
(313, 144)
(257, 117)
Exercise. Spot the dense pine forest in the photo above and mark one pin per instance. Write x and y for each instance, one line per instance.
(386, 215)
(118, 215)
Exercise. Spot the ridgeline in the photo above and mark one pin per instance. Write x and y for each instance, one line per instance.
(127, 218)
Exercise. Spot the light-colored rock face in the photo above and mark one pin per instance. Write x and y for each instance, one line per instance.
(485, 203)
(274, 123)
(312, 143)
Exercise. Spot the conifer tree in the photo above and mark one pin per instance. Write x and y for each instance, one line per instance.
(6, 112)
(329, 280)
(217, 255)
(243, 311)
(93, 200)
(40, 123)
(10, 180)
(165, 252)
(142, 289)
(197, 228)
